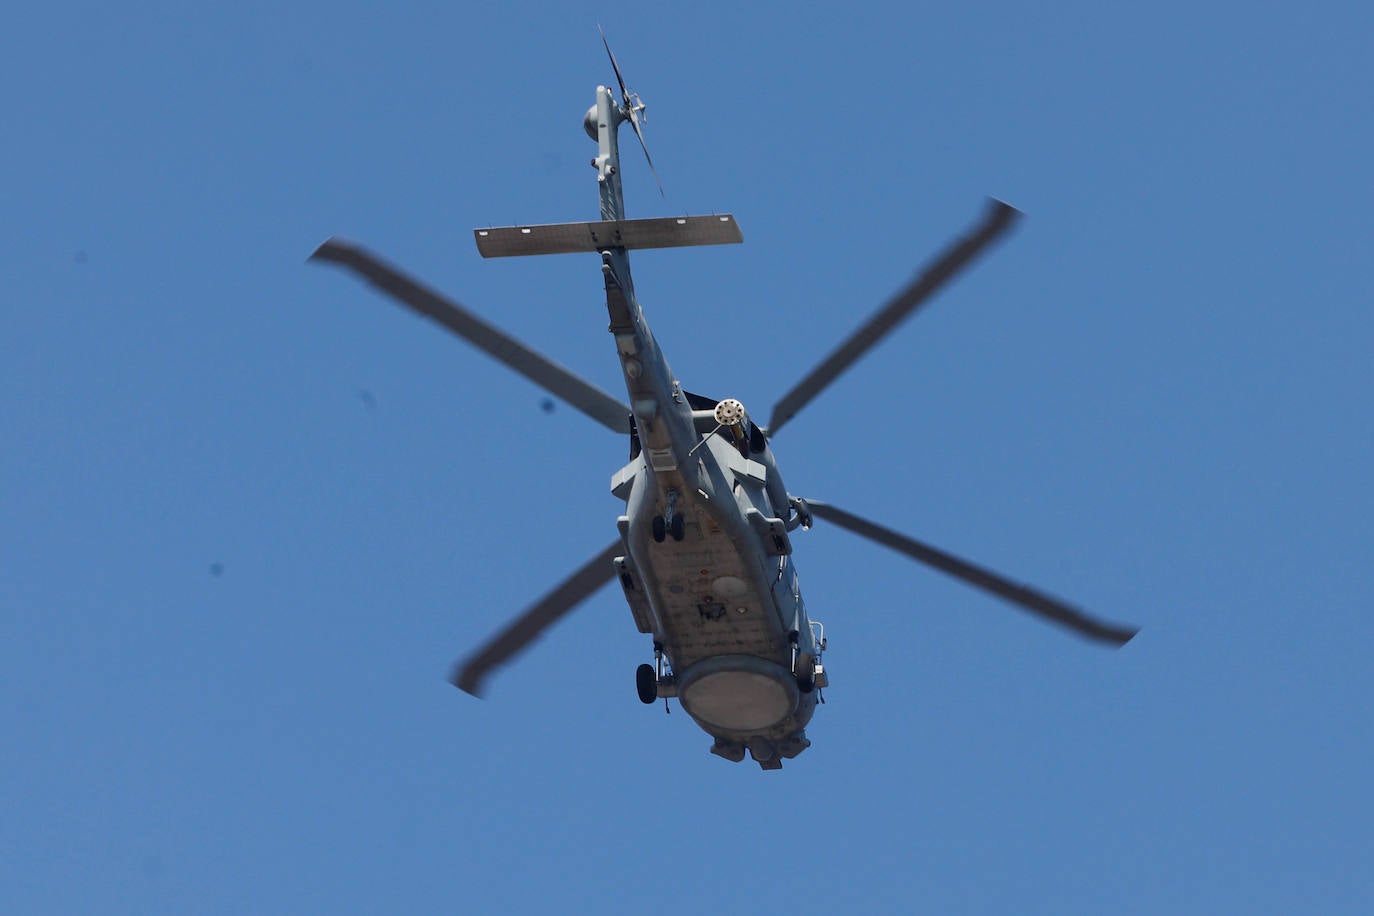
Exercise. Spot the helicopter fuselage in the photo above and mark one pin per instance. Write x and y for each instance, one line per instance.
(707, 570)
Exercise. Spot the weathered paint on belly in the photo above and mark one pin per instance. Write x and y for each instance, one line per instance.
(703, 585)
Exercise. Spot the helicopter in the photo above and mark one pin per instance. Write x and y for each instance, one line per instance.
(703, 553)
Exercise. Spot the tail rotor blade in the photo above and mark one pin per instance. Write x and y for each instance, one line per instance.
(534, 366)
(634, 123)
(1024, 597)
(997, 220)
(624, 93)
(525, 629)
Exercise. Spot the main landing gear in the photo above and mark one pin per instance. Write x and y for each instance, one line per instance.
(651, 682)
(670, 523)
(646, 681)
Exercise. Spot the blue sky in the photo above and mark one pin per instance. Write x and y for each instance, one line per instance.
(250, 512)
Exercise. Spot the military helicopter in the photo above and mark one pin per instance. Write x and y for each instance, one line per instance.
(704, 549)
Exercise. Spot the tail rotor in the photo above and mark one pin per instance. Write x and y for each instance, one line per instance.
(633, 109)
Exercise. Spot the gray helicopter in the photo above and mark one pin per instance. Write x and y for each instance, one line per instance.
(704, 549)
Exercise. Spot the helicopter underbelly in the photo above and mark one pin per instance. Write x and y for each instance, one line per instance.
(720, 597)
(707, 599)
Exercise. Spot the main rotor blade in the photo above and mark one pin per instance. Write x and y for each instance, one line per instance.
(1022, 596)
(998, 219)
(528, 626)
(539, 369)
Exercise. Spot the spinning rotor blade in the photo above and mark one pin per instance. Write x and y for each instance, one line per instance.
(634, 123)
(1022, 596)
(526, 628)
(539, 369)
(632, 111)
(997, 220)
(624, 93)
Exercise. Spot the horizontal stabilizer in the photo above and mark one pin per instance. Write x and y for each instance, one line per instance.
(565, 238)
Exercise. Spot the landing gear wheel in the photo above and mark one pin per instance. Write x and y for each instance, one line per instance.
(678, 528)
(660, 529)
(646, 682)
(806, 684)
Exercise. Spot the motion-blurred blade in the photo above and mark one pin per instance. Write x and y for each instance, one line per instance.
(634, 123)
(539, 369)
(526, 628)
(624, 93)
(631, 106)
(997, 220)
(1022, 596)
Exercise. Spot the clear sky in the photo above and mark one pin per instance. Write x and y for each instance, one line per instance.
(250, 511)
